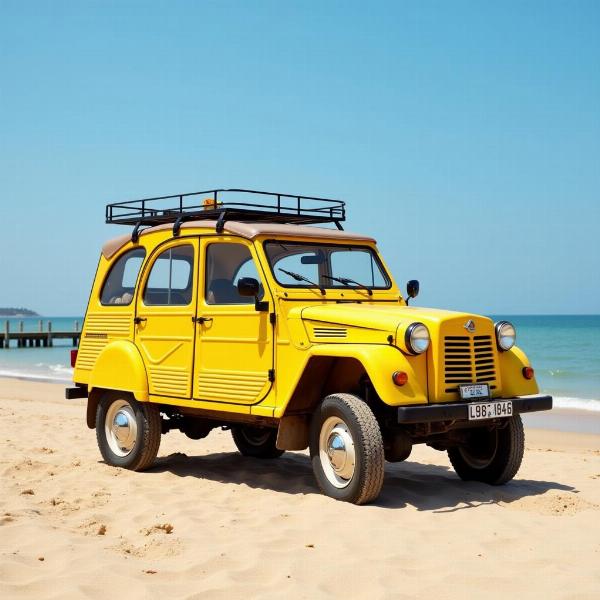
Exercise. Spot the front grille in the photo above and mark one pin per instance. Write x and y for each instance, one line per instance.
(468, 360)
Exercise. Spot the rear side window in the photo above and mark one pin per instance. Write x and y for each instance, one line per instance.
(171, 279)
(119, 287)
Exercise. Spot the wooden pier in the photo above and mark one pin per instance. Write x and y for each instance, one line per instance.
(42, 338)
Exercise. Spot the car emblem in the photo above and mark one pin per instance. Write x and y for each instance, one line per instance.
(470, 326)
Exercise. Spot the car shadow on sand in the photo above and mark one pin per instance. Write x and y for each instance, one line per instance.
(424, 486)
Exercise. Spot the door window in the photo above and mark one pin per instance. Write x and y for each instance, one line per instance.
(226, 264)
(171, 279)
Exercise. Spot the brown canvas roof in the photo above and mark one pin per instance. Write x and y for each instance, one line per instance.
(249, 231)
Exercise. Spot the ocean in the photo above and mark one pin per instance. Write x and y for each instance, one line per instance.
(563, 349)
(46, 364)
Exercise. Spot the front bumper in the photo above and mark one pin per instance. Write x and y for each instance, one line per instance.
(458, 411)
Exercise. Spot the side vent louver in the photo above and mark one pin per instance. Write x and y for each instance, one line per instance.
(330, 332)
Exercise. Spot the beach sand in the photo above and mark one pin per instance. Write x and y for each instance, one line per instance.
(208, 523)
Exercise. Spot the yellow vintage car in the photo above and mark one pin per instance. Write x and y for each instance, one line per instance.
(249, 311)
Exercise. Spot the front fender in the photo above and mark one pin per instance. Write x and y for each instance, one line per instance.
(120, 367)
(380, 362)
(511, 374)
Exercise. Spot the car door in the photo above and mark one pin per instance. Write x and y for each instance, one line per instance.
(165, 311)
(234, 343)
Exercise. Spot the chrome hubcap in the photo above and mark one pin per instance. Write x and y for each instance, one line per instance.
(120, 428)
(337, 452)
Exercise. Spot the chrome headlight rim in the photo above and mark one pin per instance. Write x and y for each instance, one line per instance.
(498, 327)
(408, 338)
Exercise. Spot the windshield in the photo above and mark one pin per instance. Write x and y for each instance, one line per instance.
(299, 264)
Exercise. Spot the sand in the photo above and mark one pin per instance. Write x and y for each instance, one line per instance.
(208, 523)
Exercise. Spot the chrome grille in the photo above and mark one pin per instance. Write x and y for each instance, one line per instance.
(468, 360)
(484, 358)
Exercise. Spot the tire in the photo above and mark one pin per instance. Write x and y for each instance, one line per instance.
(346, 449)
(257, 442)
(128, 432)
(491, 456)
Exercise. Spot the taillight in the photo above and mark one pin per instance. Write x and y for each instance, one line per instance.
(73, 358)
(528, 372)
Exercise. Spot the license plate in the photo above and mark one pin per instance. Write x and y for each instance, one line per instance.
(474, 390)
(490, 410)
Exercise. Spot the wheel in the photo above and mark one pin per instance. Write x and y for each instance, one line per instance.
(258, 442)
(346, 449)
(491, 456)
(128, 432)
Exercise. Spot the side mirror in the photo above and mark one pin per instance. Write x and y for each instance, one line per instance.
(412, 288)
(248, 286)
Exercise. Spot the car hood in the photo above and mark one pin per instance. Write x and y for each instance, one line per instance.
(378, 316)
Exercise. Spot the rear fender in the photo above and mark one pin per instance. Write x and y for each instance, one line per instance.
(120, 367)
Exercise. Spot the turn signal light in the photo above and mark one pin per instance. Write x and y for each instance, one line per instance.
(528, 372)
(73, 358)
(400, 377)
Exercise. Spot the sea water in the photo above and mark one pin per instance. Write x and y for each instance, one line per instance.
(563, 349)
(45, 364)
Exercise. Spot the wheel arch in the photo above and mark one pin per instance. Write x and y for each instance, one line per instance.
(324, 375)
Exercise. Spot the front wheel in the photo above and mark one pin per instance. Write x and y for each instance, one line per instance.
(490, 455)
(128, 432)
(346, 449)
(258, 442)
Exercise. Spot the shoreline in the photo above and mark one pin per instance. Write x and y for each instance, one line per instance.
(567, 420)
(564, 420)
(35, 379)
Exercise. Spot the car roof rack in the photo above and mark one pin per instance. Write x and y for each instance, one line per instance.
(226, 204)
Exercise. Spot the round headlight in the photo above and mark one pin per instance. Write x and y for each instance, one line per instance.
(505, 335)
(417, 338)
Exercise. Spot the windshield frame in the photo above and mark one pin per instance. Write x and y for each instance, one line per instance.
(328, 285)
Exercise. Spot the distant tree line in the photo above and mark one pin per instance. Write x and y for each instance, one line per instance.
(17, 312)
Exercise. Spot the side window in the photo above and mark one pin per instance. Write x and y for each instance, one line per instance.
(119, 287)
(226, 264)
(171, 279)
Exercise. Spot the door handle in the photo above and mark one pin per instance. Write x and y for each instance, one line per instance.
(139, 320)
(201, 320)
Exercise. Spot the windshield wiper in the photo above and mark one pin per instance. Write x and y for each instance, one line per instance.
(348, 281)
(299, 277)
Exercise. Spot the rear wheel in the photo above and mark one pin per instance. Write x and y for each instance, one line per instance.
(128, 432)
(490, 455)
(346, 449)
(258, 442)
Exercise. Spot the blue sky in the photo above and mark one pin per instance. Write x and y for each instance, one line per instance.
(464, 136)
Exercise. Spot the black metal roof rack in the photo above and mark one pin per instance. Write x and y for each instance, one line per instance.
(226, 204)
